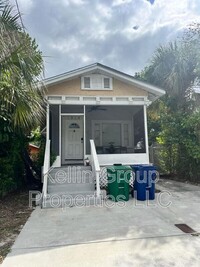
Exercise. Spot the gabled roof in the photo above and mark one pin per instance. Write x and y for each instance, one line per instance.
(105, 70)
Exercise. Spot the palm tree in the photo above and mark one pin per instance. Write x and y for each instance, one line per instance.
(21, 98)
(174, 67)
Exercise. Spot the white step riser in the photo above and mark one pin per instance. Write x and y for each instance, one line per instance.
(70, 177)
(71, 180)
(71, 188)
(70, 169)
(71, 174)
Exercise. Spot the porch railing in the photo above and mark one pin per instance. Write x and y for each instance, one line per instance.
(46, 168)
(95, 166)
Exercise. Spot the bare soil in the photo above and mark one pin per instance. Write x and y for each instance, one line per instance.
(14, 212)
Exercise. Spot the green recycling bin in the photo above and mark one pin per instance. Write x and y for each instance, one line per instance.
(118, 182)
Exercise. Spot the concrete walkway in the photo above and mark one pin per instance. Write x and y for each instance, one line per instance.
(137, 234)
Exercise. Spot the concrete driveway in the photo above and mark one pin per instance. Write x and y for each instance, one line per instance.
(137, 234)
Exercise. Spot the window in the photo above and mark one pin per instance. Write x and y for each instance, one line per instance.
(106, 82)
(74, 126)
(86, 82)
(116, 132)
(96, 82)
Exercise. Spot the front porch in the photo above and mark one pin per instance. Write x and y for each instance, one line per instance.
(119, 133)
(96, 115)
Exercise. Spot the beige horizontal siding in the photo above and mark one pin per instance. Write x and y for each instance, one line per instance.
(73, 87)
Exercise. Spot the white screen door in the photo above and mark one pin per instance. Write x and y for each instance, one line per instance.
(72, 138)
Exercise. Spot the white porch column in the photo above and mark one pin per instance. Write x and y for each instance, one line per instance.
(84, 135)
(60, 134)
(146, 131)
(47, 122)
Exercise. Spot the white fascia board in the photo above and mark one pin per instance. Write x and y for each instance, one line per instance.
(69, 75)
(147, 87)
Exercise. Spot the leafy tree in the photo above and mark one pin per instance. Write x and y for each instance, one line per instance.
(175, 118)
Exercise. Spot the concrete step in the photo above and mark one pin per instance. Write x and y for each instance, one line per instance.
(63, 175)
(66, 200)
(69, 169)
(73, 187)
(73, 179)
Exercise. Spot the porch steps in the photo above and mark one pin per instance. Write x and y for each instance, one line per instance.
(71, 186)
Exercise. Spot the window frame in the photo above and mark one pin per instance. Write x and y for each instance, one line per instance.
(92, 86)
(87, 77)
(122, 123)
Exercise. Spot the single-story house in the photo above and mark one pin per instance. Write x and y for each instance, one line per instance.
(97, 115)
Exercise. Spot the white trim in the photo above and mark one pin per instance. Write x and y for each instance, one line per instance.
(101, 85)
(47, 122)
(95, 166)
(130, 79)
(146, 131)
(56, 162)
(68, 115)
(133, 129)
(46, 167)
(84, 133)
(105, 71)
(60, 134)
(101, 100)
(72, 114)
(125, 159)
(121, 122)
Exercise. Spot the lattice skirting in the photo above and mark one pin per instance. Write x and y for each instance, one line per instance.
(104, 179)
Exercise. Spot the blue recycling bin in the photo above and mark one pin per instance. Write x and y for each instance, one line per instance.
(144, 184)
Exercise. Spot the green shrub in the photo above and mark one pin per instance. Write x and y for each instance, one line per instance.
(7, 182)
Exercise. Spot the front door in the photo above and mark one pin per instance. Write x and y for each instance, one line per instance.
(72, 138)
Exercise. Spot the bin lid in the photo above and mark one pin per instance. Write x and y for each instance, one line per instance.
(119, 167)
(143, 166)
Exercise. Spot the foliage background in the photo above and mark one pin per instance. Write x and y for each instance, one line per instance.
(21, 100)
(174, 120)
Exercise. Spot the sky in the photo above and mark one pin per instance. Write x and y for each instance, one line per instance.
(122, 34)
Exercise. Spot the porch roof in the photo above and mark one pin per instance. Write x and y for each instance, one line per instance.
(154, 92)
